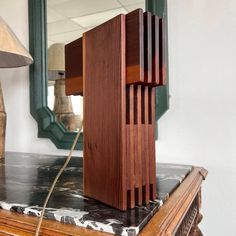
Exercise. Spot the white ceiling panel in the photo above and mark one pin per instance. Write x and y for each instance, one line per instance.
(98, 18)
(62, 26)
(53, 16)
(135, 6)
(56, 2)
(75, 8)
(130, 2)
(66, 37)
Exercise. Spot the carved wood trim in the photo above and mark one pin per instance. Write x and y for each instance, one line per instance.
(171, 214)
(189, 221)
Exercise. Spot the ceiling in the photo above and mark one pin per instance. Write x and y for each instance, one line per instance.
(68, 19)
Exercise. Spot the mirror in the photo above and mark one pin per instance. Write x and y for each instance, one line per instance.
(66, 22)
(54, 22)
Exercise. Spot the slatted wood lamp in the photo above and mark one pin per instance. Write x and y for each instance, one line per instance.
(12, 54)
(117, 66)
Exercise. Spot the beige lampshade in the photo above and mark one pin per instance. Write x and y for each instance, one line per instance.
(56, 57)
(12, 52)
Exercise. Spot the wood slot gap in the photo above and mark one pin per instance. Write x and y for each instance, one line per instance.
(143, 105)
(128, 104)
(129, 199)
(150, 106)
(135, 105)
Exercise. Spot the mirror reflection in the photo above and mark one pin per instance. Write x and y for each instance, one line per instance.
(67, 20)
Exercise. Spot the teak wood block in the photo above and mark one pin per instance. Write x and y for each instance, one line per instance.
(147, 47)
(134, 47)
(155, 50)
(138, 144)
(119, 107)
(151, 141)
(130, 146)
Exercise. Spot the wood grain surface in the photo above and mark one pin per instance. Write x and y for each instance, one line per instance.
(74, 67)
(134, 47)
(138, 144)
(104, 113)
(120, 70)
(130, 146)
(151, 142)
(162, 51)
(155, 50)
(147, 47)
(145, 143)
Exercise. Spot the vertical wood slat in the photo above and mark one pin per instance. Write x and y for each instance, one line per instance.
(134, 47)
(132, 170)
(162, 51)
(137, 144)
(104, 103)
(143, 141)
(151, 143)
(147, 21)
(148, 80)
(155, 50)
(130, 145)
(146, 147)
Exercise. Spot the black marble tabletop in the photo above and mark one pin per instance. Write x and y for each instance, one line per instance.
(25, 180)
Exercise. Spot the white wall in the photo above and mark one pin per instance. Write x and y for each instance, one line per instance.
(199, 128)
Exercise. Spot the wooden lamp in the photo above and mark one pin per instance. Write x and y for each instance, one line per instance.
(12, 54)
(116, 66)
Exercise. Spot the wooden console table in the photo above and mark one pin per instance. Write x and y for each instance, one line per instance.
(179, 215)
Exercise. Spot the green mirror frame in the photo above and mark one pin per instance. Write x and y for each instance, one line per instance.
(48, 127)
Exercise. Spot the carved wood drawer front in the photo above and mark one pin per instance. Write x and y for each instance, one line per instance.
(189, 223)
(180, 216)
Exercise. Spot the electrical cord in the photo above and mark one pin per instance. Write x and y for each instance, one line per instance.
(56, 179)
